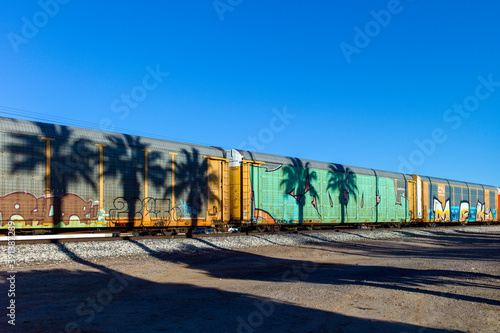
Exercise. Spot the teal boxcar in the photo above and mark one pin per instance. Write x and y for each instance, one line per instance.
(285, 190)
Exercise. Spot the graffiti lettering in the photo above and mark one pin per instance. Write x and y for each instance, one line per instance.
(25, 206)
(441, 214)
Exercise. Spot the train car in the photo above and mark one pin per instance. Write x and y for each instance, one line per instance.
(442, 200)
(60, 178)
(269, 191)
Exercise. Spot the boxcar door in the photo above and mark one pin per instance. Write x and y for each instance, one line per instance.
(218, 190)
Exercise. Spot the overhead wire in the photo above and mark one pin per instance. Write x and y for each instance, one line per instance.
(64, 121)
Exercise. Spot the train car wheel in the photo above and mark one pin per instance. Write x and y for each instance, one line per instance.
(261, 228)
(167, 232)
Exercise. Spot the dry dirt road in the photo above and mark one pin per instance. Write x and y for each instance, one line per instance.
(432, 284)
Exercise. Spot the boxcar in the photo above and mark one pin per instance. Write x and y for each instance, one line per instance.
(56, 177)
(276, 190)
(60, 177)
(443, 200)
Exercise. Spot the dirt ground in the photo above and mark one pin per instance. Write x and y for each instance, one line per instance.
(428, 284)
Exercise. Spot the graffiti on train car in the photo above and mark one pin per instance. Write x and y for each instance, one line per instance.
(150, 209)
(27, 207)
(480, 212)
(463, 213)
(400, 193)
(187, 210)
(296, 187)
(335, 195)
(131, 208)
(264, 217)
(490, 215)
(441, 214)
(483, 213)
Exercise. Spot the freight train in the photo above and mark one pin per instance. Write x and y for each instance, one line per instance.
(58, 178)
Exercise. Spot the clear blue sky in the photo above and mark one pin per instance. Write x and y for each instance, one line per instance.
(364, 80)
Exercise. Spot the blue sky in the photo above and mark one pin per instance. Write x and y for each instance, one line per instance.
(409, 86)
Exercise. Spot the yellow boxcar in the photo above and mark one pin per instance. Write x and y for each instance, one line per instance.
(442, 200)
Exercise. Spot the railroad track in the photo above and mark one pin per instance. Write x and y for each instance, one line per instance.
(62, 238)
(99, 237)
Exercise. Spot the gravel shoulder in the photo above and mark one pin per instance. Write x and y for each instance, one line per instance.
(28, 254)
(436, 280)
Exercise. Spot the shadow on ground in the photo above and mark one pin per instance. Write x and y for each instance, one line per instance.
(99, 299)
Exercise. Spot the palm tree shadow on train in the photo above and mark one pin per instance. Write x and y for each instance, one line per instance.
(298, 181)
(126, 164)
(74, 162)
(71, 162)
(343, 180)
(192, 187)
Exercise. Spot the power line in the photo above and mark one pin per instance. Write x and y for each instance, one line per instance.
(36, 116)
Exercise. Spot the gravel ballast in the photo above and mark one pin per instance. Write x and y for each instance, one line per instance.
(43, 253)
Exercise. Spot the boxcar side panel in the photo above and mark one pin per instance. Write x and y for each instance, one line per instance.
(290, 194)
